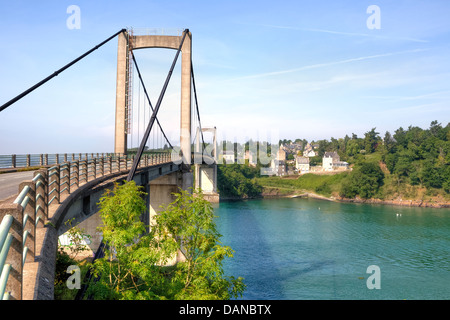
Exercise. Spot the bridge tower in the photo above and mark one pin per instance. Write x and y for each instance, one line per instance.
(205, 166)
(128, 42)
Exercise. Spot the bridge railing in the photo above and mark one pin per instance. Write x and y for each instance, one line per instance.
(39, 160)
(21, 219)
(5, 245)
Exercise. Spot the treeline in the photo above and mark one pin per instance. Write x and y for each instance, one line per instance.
(238, 181)
(403, 163)
(395, 164)
(415, 156)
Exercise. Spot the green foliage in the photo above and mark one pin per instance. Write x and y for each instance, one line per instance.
(315, 161)
(65, 257)
(63, 261)
(234, 180)
(371, 140)
(354, 146)
(413, 156)
(420, 157)
(135, 266)
(130, 264)
(201, 276)
(365, 181)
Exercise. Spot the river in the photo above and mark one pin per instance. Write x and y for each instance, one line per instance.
(298, 249)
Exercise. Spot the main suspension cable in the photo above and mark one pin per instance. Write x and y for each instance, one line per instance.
(23, 94)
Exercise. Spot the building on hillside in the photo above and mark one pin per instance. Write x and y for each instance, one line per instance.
(331, 161)
(302, 164)
(281, 154)
(292, 148)
(309, 151)
(228, 157)
(278, 167)
(251, 157)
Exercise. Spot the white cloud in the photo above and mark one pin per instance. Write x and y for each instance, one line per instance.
(327, 64)
(352, 34)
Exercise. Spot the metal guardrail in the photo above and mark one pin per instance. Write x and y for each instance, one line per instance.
(29, 211)
(5, 244)
(40, 160)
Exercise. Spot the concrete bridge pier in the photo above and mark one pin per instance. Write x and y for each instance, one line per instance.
(161, 193)
(159, 189)
(206, 180)
(205, 166)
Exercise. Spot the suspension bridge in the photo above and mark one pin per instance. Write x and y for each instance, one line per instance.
(67, 187)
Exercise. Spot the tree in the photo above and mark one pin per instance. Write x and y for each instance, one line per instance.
(191, 220)
(434, 175)
(389, 142)
(315, 161)
(403, 166)
(400, 137)
(238, 181)
(324, 146)
(371, 139)
(134, 265)
(354, 146)
(130, 265)
(365, 181)
(436, 130)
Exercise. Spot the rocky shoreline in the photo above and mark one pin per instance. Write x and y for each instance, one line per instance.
(401, 202)
(274, 193)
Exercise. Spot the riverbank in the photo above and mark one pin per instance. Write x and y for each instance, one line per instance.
(278, 192)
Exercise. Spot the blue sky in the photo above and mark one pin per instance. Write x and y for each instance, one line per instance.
(300, 69)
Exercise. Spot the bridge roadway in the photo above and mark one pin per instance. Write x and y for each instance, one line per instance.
(9, 182)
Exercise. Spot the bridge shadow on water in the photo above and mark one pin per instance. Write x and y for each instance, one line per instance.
(270, 269)
(242, 233)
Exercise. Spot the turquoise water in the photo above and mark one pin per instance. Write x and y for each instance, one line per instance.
(310, 249)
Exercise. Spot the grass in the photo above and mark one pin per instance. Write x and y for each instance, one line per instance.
(325, 185)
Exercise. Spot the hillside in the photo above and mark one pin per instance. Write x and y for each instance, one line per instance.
(330, 186)
(410, 167)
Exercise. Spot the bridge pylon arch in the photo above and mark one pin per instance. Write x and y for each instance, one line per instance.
(128, 42)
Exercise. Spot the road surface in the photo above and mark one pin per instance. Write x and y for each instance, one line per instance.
(9, 182)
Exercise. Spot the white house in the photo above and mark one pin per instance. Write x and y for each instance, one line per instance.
(228, 157)
(302, 164)
(309, 151)
(331, 161)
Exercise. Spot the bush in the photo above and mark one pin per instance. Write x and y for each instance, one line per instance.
(365, 181)
(238, 181)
